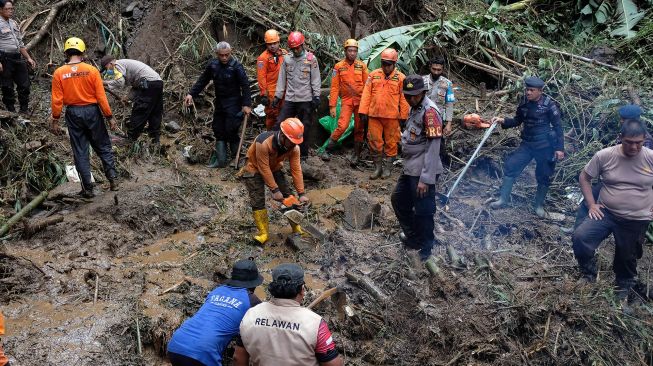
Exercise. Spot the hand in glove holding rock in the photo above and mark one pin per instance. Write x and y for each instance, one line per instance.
(315, 103)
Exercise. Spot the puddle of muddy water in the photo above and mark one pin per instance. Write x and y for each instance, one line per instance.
(329, 196)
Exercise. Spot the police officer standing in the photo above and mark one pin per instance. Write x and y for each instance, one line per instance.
(232, 100)
(413, 199)
(13, 55)
(542, 140)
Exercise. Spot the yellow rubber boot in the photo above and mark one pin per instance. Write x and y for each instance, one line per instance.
(263, 224)
(296, 229)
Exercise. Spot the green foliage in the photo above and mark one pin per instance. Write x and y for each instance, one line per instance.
(628, 16)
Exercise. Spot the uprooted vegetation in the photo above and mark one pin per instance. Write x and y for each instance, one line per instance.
(112, 281)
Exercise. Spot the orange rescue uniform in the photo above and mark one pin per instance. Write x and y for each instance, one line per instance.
(71, 86)
(267, 73)
(347, 82)
(3, 358)
(384, 103)
(263, 158)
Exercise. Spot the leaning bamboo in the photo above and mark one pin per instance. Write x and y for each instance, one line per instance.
(27, 209)
(577, 57)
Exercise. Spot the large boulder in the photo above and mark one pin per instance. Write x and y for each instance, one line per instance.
(360, 209)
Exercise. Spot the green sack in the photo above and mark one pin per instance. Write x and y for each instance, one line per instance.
(330, 124)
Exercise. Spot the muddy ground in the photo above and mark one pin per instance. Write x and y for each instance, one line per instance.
(132, 265)
(154, 249)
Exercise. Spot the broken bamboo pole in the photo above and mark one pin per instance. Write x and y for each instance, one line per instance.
(504, 58)
(31, 228)
(323, 296)
(577, 57)
(487, 68)
(366, 284)
(27, 209)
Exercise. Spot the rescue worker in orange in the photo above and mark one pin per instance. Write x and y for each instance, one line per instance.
(4, 361)
(265, 159)
(347, 82)
(267, 72)
(383, 108)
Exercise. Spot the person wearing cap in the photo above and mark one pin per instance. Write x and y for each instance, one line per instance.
(78, 86)
(542, 140)
(281, 331)
(265, 159)
(202, 338)
(623, 210)
(232, 99)
(14, 61)
(413, 199)
(298, 85)
(383, 108)
(630, 112)
(146, 94)
(347, 82)
(268, 65)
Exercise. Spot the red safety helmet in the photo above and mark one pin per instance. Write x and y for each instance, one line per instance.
(293, 129)
(295, 39)
(389, 54)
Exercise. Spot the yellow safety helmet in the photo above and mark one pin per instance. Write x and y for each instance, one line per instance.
(74, 43)
(351, 43)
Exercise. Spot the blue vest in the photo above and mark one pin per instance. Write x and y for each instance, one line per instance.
(205, 335)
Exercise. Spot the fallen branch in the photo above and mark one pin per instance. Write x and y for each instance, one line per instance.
(27, 209)
(325, 295)
(504, 58)
(487, 68)
(45, 28)
(366, 284)
(581, 58)
(30, 228)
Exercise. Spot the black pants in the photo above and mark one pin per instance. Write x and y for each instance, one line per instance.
(415, 214)
(583, 211)
(147, 108)
(14, 71)
(180, 360)
(86, 126)
(301, 110)
(518, 159)
(227, 118)
(256, 188)
(628, 246)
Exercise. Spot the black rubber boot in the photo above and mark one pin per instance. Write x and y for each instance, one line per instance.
(325, 154)
(506, 189)
(220, 155)
(356, 155)
(387, 166)
(378, 171)
(540, 196)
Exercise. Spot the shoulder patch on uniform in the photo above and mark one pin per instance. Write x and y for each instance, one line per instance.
(260, 64)
(334, 73)
(432, 123)
(309, 56)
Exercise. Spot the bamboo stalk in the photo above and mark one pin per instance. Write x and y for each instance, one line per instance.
(487, 68)
(326, 294)
(27, 209)
(366, 284)
(577, 57)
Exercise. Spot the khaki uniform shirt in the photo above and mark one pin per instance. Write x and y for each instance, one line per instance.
(11, 41)
(299, 77)
(132, 71)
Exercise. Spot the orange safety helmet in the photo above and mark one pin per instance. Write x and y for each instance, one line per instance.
(272, 36)
(351, 43)
(389, 54)
(295, 39)
(293, 129)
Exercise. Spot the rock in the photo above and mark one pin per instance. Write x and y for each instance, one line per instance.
(68, 189)
(172, 126)
(360, 208)
(313, 169)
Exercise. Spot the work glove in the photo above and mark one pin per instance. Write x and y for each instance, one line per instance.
(275, 102)
(363, 118)
(315, 103)
(265, 100)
